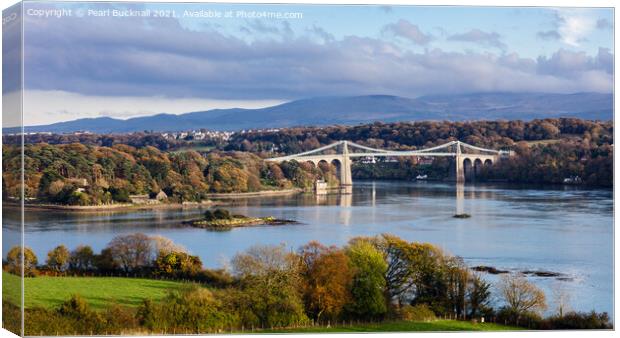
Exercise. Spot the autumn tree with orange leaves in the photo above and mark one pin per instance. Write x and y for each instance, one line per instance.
(327, 280)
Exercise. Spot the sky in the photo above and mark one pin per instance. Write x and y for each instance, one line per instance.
(83, 60)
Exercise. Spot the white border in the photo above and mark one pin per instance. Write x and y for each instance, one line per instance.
(490, 3)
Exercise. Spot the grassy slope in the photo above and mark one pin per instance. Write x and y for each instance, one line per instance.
(98, 291)
(402, 326)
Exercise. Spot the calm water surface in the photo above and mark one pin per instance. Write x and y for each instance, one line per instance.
(561, 230)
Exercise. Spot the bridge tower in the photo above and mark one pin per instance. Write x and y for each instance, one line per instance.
(458, 158)
(345, 166)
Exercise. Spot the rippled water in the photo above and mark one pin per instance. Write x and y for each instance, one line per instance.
(564, 230)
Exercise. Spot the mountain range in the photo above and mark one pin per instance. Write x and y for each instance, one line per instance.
(358, 109)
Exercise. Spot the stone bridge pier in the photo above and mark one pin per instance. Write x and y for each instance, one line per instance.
(467, 167)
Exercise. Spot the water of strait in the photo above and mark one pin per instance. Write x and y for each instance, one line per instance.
(565, 230)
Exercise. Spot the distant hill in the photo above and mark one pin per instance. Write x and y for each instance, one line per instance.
(359, 109)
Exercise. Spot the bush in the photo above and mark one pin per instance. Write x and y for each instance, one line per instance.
(209, 216)
(39, 321)
(74, 317)
(80, 316)
(120, 194)
(417, 313)
(530, 320)
(578, 321)
(118, 319)
(11, 317)
(215, 278)
(194, 310)
(222, 214)
(177, 265)
(217, 214)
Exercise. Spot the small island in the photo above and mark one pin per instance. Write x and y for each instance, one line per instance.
(462, 216)
(222, 220)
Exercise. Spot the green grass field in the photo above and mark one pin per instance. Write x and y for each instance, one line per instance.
(402, 326)
(98, 291)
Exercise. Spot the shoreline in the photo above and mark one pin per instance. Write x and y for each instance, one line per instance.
(134, 207)
(263, 193)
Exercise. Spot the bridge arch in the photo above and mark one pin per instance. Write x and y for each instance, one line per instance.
(309, 163)
(488, 162)
(478, 167)
(468, 169)
(324, 165)
(337, 164)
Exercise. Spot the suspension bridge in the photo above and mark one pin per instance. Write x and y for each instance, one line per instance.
(468, 159)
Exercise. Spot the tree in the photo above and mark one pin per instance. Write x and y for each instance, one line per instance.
(408, 263)
(82, 258)
(221, 214)
(327, 280)
(561, 300)
(521, 296)
(478, 296)
(58, 258)
(105, 262)
(457, 276)
(131, 252)
(165, 245)
(368, 285)
(270, 283)
(177, 264)
(14, 261)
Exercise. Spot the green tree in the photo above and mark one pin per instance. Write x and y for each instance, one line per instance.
(478, 296)
(368, 286)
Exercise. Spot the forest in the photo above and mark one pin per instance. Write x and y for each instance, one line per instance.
(370, 279)
(78, 174)
(547, 150)
(100, 169)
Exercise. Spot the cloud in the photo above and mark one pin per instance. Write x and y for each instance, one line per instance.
(321, 33)
(571, 64)
(480, 37)
(261, 27)
(574, 26)
(408, 31)
(603, 24)
(143, 58)
(549, 35)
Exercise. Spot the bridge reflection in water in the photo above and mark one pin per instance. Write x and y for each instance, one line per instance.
(343, 198)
